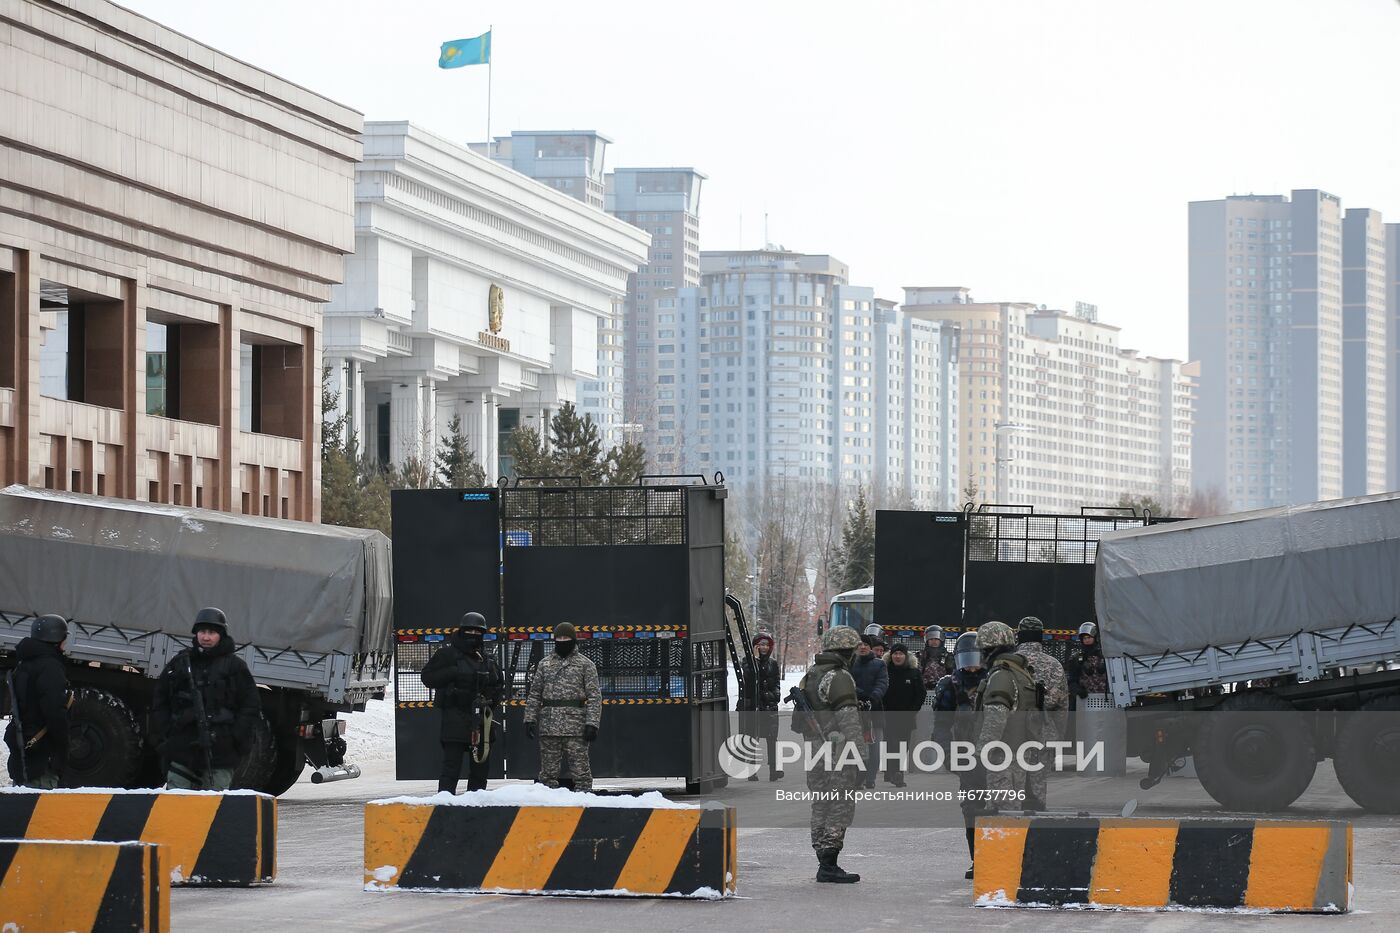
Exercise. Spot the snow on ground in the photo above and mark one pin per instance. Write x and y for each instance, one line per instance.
(537, 795)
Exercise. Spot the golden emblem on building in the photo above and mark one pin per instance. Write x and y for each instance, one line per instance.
(496, 304)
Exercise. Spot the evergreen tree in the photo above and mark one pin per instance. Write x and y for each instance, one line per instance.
(626, 464)
(457, 466)
(413, 473)
(528, 452)
(576, 448)
(857, 554)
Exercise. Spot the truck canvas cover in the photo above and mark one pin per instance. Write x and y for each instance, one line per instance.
(139, 565)
(1252, 576)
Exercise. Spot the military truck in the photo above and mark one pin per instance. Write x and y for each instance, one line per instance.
(310, 607)
(1282, 625)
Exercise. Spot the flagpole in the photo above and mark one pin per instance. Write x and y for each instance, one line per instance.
(490, 56)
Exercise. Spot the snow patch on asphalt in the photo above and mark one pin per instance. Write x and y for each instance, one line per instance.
(537, 795)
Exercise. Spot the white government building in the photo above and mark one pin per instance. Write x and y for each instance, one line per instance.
(473, 291)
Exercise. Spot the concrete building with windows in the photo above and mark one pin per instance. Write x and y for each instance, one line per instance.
(171, 221)
(474, 291)
(1266, 327)
(1392, 359)
(1365, 346)
(776, 370)
(572, 162)
(665, 202)
(1053, 412)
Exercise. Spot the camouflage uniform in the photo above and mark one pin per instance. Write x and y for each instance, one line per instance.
(831, 691)
(1009, 689)
(564, 698)
(1049, 724)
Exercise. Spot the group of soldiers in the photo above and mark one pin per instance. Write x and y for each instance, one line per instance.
(562, 710)
(204, 709)
(1003, 686)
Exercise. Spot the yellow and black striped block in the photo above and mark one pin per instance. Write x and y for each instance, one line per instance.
(687, 852)
(112, 886)
(1275, 865)
(206, 838)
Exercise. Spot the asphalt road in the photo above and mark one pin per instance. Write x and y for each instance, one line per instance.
(912, 863)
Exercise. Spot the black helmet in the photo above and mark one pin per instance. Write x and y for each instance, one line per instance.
(472, 620)
(50, 628)
(210, 618)
(965, 651)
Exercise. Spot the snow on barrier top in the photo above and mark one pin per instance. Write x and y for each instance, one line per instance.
(147, 566)
(537, 795)
(1251, 576)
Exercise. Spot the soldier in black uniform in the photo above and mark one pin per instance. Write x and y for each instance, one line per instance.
(38, 694)
(760, 699)
(955, 719)
(468, 684)
(205, 709)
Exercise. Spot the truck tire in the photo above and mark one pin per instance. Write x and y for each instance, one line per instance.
(1367, 758)
(286, 768)
(104, 741)
(1254, 752)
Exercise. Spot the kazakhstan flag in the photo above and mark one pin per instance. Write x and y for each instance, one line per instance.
(466, 52)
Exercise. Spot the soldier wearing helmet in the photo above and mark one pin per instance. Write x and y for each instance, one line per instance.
(1049, 723)
(1006, 699)
(37, 734)
(955, 718)
(831, 692)
(205, 710)
(467, 685)
(933, 657)
(1085, 672)
(563, 709)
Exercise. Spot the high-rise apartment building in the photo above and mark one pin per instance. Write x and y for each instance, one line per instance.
(1392, 287)
(1365, 346)
(572, 162)
(1053, 412)
(775, 369)
(1266, 328)
(665, 202)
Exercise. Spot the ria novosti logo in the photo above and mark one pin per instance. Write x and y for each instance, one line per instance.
(741, 756)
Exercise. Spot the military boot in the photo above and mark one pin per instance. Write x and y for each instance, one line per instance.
(830, 871)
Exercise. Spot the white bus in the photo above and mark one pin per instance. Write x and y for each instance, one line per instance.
(855, 608)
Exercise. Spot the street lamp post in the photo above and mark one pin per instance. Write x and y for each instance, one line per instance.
(1004, 430)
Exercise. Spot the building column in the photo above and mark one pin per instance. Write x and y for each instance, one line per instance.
(428, 436)
(230, 485)
(405, 419)
(309, 495)
(21, 315)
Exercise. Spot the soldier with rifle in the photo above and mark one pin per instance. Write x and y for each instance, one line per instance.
(205, 710)
(37, 693)
(468, 684)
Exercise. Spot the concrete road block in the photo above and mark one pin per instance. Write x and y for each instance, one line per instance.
(435, 845)
(96, 886)
(1275, 865)
(208, 838)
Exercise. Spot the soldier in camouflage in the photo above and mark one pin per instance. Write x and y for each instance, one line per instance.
(1009, 691)
(563, 710)
(933, 657)
(1085, 671)
(831, 691)
(1053, 693)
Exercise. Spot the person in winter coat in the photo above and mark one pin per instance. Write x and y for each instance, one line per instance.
(872, 681)
(761, 698)
(933, 657)
(903, 701)
(955, 720)
(467, 684)
(563, 710)
(37, 735)
(205, 709)
(1085, 672)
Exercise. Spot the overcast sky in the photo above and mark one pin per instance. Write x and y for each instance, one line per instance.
(1036, 150)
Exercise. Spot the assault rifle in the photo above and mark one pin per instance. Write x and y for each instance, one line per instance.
(804, 715)
(206, 741)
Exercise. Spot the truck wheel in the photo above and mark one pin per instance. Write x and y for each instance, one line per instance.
(1254, 752)
(286, 769)
(257, 767)
(104, 741)
(1368, 756)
